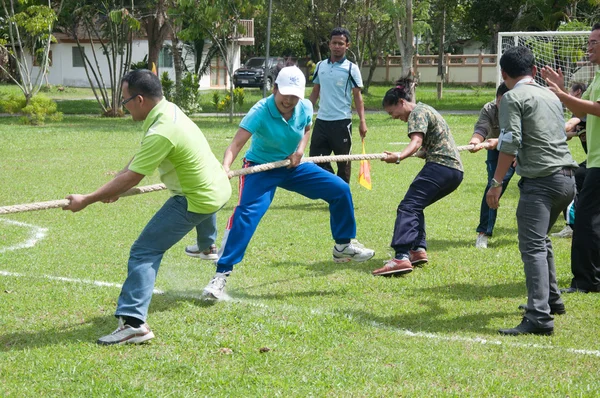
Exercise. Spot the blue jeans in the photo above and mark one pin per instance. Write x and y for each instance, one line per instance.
(487, 216)
(168, 226)
(433, 182)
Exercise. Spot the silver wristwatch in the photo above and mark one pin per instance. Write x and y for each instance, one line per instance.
(495, 184)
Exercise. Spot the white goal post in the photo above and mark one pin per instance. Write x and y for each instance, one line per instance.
(565, 50)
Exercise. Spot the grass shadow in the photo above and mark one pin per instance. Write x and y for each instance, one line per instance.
(91, 329)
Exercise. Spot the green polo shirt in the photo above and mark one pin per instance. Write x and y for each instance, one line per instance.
(175, 145)
(532, 127)
(593, 124)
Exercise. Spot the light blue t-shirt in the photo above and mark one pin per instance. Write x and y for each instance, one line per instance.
(273, 137)
(337, 79)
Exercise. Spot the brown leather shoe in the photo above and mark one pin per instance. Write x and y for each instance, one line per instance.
(417, 257)
(394, 267)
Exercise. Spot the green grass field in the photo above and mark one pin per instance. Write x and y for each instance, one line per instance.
(332, 329)
(80, 101)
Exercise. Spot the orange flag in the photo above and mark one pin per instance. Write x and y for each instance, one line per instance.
(154, 69)
(364, 174)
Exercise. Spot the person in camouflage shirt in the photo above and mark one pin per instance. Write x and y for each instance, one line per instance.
(441, 175)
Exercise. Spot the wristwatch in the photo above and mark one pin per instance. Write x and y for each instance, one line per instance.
(495, 184)
(398, 160)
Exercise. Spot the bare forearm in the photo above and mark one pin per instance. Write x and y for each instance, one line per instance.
(504, 162)
(117, 186)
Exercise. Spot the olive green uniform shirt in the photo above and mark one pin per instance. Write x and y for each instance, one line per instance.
(487, 125)
(532, 127)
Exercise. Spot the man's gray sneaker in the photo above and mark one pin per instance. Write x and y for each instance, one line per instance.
(125, 334)
(215, 288)
(354, 251)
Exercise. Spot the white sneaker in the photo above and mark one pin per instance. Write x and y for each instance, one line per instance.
(566, 232)
(209, 254)
(126, 334)
(215, 288)
(482, 241)
(354, 251)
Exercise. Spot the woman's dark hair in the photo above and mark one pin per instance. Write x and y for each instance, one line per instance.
(578, 86)
(501, 90)
(143, 82)
(402, 90)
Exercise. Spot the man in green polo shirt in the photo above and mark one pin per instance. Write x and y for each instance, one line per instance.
(199, 186)
(585, 248)
(532, 129)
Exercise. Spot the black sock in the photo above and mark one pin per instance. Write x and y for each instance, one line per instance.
(133, 322)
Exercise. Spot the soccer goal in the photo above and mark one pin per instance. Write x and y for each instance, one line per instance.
(565, 50)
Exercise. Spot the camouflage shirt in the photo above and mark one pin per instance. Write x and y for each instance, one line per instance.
(438, 142)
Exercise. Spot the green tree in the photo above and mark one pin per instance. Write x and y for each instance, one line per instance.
(28, 32)
(109, 27)
(218, 20)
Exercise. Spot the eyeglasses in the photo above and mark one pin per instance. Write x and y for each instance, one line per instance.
(128, 99)
(592, 43)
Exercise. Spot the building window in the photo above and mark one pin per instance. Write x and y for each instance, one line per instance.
(78, 57)
(165, 58)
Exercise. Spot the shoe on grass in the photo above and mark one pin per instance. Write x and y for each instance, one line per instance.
(215, 290)
(394, 267)
(211, 253)
(354, 251)
(482, 241)
(527, 327)
(566, 232)
(418, 258)
(126, 334)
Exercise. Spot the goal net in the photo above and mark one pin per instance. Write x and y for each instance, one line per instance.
(564, 50)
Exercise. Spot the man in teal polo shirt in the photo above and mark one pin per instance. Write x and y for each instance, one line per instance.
(585, 248)
(337, 81)
(199, 187)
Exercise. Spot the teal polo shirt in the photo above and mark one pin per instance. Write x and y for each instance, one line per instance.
(273, 137)
(337, 79)
(593, 124)
(175, 145)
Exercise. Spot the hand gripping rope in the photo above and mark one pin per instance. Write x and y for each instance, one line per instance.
(54, 204)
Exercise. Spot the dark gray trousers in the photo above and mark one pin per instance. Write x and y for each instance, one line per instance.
(541, 202)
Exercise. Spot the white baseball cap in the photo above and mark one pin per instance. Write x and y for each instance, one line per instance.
(291, 81)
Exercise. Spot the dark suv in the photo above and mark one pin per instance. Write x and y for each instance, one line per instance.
(252, 73)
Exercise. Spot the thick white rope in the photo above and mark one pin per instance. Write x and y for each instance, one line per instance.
(53, 204)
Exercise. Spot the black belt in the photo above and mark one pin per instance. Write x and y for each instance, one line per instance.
(567, 172)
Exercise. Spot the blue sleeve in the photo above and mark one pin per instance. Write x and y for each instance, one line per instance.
(316, 74)
(308, 109)
(252, 122)
(355, 72)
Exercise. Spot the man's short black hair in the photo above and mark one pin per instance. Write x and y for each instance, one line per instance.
(340, 32)
(501, 90)
(596, 26)
(143, 82)
(517, 61)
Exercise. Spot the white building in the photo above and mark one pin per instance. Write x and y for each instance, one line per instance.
(67, 64)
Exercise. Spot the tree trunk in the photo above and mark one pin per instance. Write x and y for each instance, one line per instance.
(441, 70)
(405, 39)
(157, 29)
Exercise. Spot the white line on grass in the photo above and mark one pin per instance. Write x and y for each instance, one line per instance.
(37, 234)
(317, 311)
